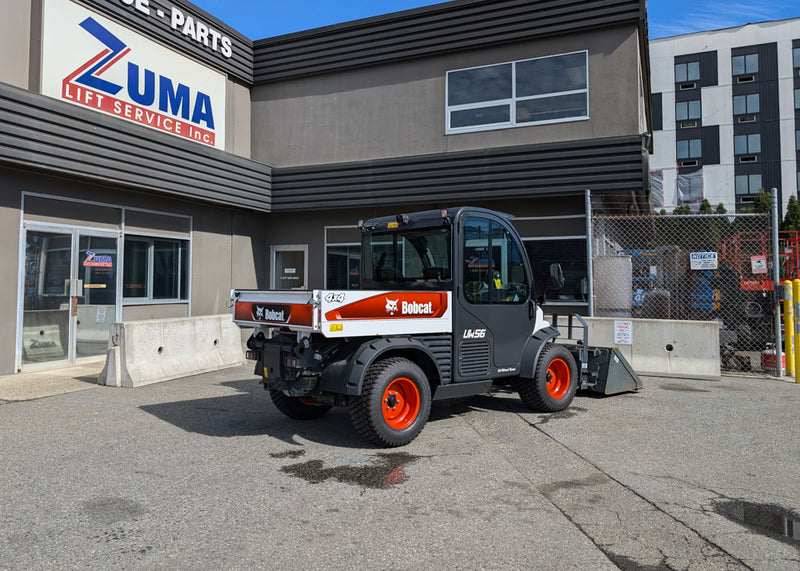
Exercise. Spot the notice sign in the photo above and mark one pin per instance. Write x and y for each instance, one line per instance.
(703, 260)
(758, 264)
(623, 332)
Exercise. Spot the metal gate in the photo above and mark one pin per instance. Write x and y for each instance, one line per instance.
(696, 267)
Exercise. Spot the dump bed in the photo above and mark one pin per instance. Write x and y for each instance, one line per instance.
(346, 313)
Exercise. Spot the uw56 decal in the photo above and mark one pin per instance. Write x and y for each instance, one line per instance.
(393, 305)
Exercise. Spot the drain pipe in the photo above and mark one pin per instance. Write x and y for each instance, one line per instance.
(776, 280)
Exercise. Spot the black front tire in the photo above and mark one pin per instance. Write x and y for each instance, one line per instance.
(295, 407)
(555, 382)
(394, 404)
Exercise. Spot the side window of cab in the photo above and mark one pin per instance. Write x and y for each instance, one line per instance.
(494, 271)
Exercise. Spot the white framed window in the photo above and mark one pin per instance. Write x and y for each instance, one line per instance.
(550, 89)
(747, 144)
(743, 104)
(689, 71)
(685, 110)
(744, 64)
(155, 270)
(289, 267)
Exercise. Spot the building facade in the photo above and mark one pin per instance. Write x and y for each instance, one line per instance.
(152, 158)
(726, 115)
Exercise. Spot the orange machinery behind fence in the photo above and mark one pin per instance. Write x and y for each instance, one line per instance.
(749, 252)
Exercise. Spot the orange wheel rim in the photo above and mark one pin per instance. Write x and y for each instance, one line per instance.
(307, 401)
(400, 404)
(558, 378)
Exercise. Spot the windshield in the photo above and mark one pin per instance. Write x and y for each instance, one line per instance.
(408, 259)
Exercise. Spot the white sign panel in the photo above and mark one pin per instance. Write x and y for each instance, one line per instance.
(92, 61)
(623, 332)
(703, 260)
(758, 264)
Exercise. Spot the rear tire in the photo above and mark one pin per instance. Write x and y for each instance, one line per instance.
(555, 382)
(297, 407)
(394, 404)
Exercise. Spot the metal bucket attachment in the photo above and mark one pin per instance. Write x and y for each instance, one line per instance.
(609, 372)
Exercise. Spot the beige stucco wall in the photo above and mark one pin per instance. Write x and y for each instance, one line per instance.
(399, 109)
(227, 246)
(15, 44)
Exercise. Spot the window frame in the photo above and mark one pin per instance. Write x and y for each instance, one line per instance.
(749, 177)
(689, 149)
(747, 60)
(151, 239)
(689, 116)
(749, 141)
(685, 69)
(277, 249)
(513, 101)
(748, 100)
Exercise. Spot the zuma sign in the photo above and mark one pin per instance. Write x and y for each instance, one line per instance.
(96, 63)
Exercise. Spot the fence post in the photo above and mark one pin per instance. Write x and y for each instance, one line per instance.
(776, 279)
(796, 324)
(589, 252)
(788, 326)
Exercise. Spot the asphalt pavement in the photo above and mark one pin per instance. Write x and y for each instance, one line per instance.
(204, 473)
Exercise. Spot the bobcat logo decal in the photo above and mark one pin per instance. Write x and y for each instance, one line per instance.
(391, 306)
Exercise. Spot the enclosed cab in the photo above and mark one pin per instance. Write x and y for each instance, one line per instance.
(445, 309)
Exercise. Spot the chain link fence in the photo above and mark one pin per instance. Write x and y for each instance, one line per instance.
(695, 267)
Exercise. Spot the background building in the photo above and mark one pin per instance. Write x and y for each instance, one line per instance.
(726, 115)
(152, 158)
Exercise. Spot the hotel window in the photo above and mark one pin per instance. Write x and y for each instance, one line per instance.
(745, 64)
(747, 144)
(528, 92)
(748, 183)
(689, 149)
(743, 104)
(687, 71)
(687, 110)
(797, 98)
(796, 57)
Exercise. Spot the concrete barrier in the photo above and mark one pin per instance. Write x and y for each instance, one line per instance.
(660, 347)
(145, 352)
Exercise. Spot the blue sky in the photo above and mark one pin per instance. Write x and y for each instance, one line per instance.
(259, 19)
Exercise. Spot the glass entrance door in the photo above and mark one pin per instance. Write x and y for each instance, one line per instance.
(96, 307)
(47, 285)
(70, 294)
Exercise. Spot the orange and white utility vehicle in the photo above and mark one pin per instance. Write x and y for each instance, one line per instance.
(445, 309)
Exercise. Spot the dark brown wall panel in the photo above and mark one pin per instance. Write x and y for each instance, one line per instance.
(605, 165)
(37, 132)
